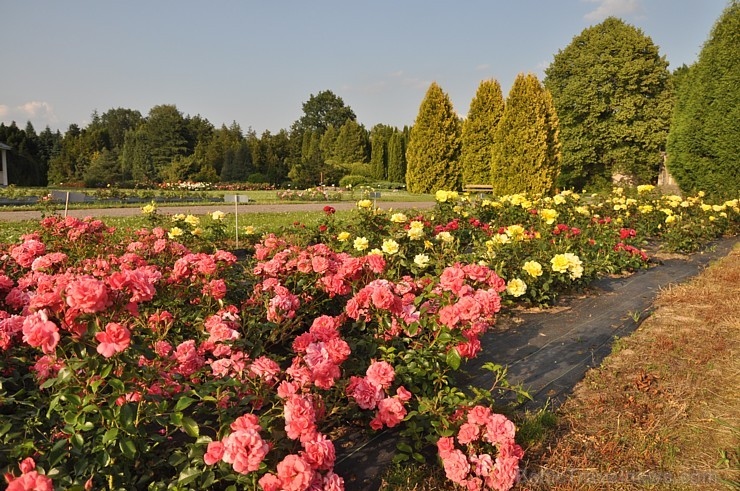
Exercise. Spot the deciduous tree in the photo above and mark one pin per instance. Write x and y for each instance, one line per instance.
(612, 92)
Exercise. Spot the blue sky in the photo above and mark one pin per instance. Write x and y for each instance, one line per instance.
(257, 62)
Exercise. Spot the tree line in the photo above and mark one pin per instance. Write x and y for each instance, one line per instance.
(608, 106)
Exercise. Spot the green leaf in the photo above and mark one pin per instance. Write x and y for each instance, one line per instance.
(49, 383)
(176, 419)
(128, 448)
(183, 403)
(110, 435)
(70, 417)
(117, 385)
(190, 427)
(188, 475)
(127, 415)
(400, 457)
(85, 425)
(418, 457)
(77, 441)
(453, 359)
(405, 447)
(5, 428)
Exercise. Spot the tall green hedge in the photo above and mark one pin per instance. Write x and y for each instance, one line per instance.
(526, 149)
(433, 152)
(478, 132)
(704, 142)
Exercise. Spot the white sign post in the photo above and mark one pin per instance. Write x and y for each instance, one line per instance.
(236, 198)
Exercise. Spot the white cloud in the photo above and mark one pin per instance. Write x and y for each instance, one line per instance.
(482, 67)
(40, 114)
(38, 109)
(616, 8)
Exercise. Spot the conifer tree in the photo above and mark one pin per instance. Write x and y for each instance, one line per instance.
(478, 133)
(526, 149)
(433, 152)
(351, 143)
(704, 142)
(612, 92)
(397, 157)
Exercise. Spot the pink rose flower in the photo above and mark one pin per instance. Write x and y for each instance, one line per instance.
(39, 331)
(114, 339)
(456, 466)
(380, 374)
(88, 295)
(468, 433)
(295, 474)
(214, 453)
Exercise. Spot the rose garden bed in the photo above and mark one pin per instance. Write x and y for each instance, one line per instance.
(157, 360)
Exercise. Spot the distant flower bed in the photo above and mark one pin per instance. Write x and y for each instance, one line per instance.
(243, 186)
(312, 194)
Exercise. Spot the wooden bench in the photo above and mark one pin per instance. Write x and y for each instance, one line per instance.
(479, 188)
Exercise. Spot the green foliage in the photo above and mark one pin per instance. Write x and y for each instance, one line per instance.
(29, 156)
(322, 110)
(612, 93)
(526, 148)
(351, 144)
(704, 142)
(353, 181)
(397, 157)
(478, 133)
(433, 152)
(379, 138)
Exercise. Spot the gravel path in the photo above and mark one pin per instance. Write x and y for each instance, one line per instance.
(14, 216)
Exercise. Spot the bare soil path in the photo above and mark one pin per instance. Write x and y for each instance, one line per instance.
(14, 216)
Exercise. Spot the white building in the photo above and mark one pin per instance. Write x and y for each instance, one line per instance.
(4, 164)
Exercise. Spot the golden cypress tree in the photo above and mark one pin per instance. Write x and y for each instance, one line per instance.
(433, 152)
(526, 150)
(478, 133)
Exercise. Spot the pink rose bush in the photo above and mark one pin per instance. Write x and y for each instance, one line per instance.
(489, 458)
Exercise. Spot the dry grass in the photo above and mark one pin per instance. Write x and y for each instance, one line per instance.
(662, 412)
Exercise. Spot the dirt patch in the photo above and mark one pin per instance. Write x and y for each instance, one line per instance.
(661, 412)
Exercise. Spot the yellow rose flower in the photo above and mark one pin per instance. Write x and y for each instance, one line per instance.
(516, 287)
(192, 220)
(533, 268)
(516, 232)
(343, 236)
(645, 188)
(148, 209)
(361, 243)
(559, 263)
(390, 247)
(548, 215)
(249, 230)
(364, 203)
(421, 260)
(197, 231)
(398, 218)
(218, 215)
(179, 217)
(175, 232)
(445, 237)
(415, 233)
